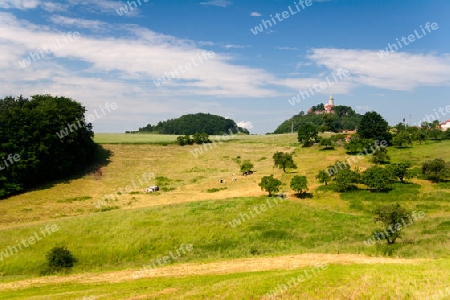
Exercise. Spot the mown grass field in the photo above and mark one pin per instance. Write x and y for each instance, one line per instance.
(135, 138)
(194, 208)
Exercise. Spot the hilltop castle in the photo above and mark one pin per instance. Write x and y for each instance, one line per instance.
(323, 109)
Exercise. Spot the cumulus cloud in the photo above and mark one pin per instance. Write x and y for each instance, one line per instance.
(247, 125)
(255, 14)
(399, 71)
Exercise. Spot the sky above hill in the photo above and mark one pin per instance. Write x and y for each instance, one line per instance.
(256, 62)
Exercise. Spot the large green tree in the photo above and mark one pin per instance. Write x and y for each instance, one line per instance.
(270, 184)
(377, 178)
(373, 126)
(345, 180)
(401, 171)
(308, 134)
(283, 160)
(299, 184)
(392, 217)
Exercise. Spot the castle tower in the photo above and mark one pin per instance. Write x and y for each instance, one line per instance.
(331, 101)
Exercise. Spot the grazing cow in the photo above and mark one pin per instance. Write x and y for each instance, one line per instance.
(223, 181)
(247, 173)
(151, 189)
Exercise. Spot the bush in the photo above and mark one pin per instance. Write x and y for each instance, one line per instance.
(436, 170)
(246, 166)
(60, 258)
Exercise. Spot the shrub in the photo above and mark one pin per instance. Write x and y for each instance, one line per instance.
(436, 170)
(59, 258)
(380, 156)
(246, 166)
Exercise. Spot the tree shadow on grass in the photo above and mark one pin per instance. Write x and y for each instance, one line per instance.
(101, 158)
(386, 190)
(303, 195)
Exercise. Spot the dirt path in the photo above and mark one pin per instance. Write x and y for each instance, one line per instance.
(289, 262)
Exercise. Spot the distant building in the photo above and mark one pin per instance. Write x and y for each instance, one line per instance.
(348, 134)
(445, 125)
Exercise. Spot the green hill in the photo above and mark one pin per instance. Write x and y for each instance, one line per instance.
(193, 123)
(343, 118)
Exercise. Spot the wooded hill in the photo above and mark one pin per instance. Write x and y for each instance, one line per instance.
(343, 118)
(194, 123)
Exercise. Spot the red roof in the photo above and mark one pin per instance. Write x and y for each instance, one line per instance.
(448, 121)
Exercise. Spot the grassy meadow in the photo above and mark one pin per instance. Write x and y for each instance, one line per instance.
(112, 239)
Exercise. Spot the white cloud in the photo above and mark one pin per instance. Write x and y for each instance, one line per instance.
(398, 71)
(52, 7)
(247, 125)
(229, 46)
(255, 14)
(80, 23)
(221, 3)
(20, 4)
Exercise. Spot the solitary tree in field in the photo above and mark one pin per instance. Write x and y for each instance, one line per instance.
(307, 134)
(270, 184)
(392, 217)
(283, 161)
(299, 184)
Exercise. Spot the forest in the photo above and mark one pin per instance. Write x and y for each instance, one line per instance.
(31, 150)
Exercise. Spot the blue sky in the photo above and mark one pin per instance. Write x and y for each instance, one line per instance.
(122, 57)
